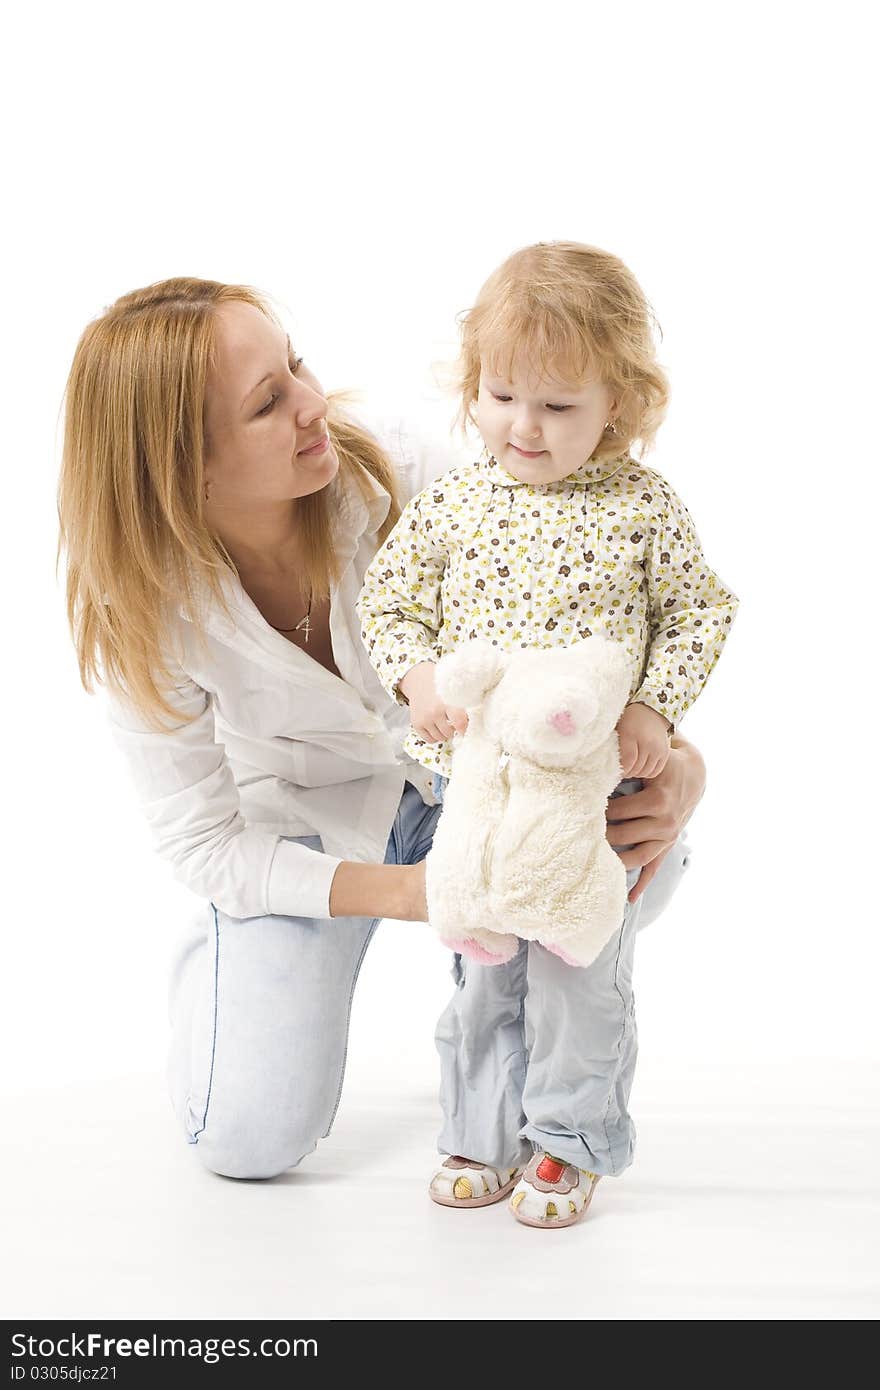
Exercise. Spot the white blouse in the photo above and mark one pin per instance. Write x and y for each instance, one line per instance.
(275, 744)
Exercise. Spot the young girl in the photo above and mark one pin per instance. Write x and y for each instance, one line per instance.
(556, 533)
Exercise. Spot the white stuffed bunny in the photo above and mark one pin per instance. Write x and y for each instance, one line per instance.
(520, 848)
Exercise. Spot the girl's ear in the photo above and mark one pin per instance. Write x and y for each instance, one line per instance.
(465, 677)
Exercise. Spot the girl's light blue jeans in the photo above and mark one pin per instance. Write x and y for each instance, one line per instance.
(532, 1054)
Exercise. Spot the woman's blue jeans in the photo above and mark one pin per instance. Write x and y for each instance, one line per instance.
(532, 1054)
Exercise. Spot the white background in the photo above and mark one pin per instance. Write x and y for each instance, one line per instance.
(369, 167)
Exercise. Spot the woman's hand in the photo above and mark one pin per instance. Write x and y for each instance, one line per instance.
(651, 820)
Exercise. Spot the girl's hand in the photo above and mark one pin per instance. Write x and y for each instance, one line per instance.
(643, 736)
(650, 821)
(431, 719)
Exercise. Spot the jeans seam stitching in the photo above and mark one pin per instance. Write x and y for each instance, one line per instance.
(195, 1138)
(619, 1049)
(357, 971)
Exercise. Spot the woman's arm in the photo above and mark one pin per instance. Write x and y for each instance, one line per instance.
(652, 820)
(190, 799)
(379, 890)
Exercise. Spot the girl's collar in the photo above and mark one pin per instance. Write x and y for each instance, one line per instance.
(593, 471)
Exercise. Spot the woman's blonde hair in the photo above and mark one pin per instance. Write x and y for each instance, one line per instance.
(132, 485)
(572, 312)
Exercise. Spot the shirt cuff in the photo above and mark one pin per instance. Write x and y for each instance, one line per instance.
(299, 881)
(401, 667)
(661, 702)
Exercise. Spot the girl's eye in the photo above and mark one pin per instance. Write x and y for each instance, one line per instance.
(268, 407)
(294, 364)
(557, 409)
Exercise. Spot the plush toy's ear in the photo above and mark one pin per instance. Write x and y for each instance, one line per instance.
(465, 677)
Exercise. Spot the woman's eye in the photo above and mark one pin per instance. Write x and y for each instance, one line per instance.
(503, 399)
(293, 366)
(558, 408)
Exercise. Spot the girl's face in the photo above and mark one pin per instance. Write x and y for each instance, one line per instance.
(265, 416)
(538, 428)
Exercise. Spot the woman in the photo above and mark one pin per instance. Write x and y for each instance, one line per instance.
(218, 514)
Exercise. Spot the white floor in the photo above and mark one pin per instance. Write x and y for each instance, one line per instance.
(754, 1196)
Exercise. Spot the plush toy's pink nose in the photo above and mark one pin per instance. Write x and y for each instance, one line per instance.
(562, 721)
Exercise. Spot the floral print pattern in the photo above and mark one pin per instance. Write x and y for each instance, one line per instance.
(610, 549)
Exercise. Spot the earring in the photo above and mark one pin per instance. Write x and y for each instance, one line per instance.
(610, 425)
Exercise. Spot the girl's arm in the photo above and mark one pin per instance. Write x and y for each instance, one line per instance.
(691, 610)
(399, 606)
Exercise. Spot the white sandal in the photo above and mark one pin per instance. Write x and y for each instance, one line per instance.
(551, 1194)
(460, 1182)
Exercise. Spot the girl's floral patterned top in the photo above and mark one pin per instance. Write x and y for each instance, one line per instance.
(610, 549)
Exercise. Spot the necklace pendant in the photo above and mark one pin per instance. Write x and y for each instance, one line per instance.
(307, 629)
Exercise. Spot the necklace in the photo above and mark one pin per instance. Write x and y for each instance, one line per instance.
(302, 621)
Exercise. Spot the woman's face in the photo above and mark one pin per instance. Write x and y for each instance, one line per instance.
(265, 416)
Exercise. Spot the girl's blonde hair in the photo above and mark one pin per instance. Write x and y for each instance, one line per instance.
(131, 493)
(573, 312)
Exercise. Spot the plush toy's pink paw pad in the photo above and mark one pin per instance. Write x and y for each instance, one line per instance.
(562, 722)
(475, 952)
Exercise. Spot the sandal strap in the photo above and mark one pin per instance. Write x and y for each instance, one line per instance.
(482, 1177)
(547, 1180)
